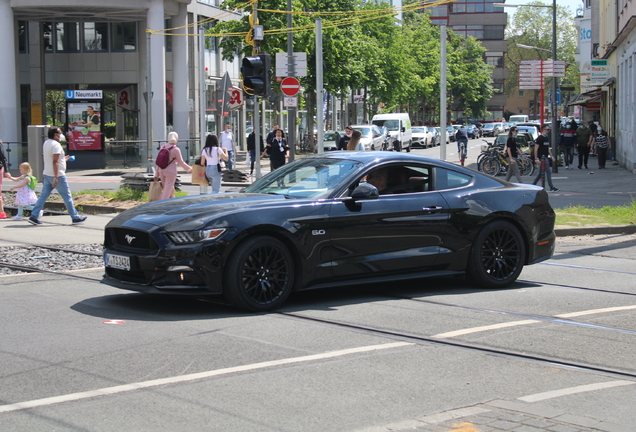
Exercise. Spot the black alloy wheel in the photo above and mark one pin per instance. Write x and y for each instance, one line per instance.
(497, 255)
(259, 275)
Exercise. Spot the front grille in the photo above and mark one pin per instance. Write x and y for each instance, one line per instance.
(129, 240)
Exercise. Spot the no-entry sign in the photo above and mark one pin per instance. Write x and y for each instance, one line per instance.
(290, 86)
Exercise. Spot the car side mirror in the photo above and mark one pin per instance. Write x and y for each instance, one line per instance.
(403, 129)
(365, 191)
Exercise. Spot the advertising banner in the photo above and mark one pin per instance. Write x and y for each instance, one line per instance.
(84, 125)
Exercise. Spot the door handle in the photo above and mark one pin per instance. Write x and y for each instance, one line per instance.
(433, 209)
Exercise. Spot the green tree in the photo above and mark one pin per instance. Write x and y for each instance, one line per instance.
(532, 26)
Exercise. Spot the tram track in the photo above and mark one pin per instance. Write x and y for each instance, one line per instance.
(420, 339)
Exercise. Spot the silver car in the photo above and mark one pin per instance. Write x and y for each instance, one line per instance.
(422, 137)
(372, 137)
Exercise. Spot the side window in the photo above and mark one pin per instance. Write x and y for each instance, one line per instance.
(447, 179)
(399, 179)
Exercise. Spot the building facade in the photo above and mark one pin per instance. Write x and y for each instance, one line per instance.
(487, 23)
(121, 47)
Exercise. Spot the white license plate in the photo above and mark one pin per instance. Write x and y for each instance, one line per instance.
(117, 261)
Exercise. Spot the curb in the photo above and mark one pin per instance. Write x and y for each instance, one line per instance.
(579, 231)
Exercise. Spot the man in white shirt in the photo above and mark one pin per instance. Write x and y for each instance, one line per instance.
(227, 142)
(54, 178)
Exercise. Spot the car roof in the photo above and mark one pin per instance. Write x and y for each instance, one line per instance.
(366, 157)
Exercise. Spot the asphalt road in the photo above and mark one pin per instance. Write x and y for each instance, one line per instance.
(558, 346)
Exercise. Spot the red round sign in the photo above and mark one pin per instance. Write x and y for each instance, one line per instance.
(290, 86)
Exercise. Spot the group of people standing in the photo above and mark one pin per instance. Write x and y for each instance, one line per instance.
(586, 139)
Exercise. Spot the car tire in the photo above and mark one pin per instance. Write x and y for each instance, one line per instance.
(259, 275)
(497, 255)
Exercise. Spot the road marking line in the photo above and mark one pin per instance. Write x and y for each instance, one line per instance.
(574, 390)
(191, 377)
(466, 331)
(596, 311)
(483, 328)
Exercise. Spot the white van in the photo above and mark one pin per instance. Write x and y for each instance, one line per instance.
(399, 127)
(520, 118)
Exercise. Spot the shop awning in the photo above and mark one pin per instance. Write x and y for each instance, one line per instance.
(584, 102)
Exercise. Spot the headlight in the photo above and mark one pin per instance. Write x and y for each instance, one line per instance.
(183, 237)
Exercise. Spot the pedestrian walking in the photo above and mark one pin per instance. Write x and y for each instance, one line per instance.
(542, 149)
(600, 142)
(54, 177)
(251, 147)
(511, 153)
(211, 156)
(272, 134)
(168, 175)
(354, 143)
(277, 150)
(25, 195)
(568, 141)
(4, 169)
(583, 135)
(227, 142)
(344, 140)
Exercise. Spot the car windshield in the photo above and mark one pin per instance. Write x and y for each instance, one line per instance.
(489, 126)
(305, 178)
(365, 131)
(330, 136)
(391, 125)
(418, 130)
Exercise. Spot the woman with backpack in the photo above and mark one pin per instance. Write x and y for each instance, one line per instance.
(25, 197)
(166, 166)
(211, 157)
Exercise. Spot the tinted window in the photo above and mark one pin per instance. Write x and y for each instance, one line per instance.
(447, 179)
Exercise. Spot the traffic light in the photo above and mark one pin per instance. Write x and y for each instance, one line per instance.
(255, 73)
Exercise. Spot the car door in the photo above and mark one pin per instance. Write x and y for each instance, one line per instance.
(399, 232)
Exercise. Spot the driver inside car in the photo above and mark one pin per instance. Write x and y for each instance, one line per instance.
(379, 178)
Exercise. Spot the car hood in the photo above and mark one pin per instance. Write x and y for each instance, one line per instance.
(191, 213)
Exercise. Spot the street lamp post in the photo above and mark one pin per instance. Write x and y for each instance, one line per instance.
(553, 104)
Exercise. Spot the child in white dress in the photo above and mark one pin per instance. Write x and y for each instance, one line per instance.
(25, 196)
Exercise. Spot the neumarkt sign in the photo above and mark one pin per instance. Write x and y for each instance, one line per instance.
(84, 94)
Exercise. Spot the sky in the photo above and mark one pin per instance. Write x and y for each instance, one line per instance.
(572, 4)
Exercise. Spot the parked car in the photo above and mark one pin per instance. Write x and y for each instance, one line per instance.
(522, 140)
(422, 137)
(450, 132)
(489, 130)
(330, 140)
(499, 128)
(320, 221)
(473, 131)
(530, 130)
(372, 137)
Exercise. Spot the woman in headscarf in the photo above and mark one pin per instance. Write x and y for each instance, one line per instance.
(168, 175)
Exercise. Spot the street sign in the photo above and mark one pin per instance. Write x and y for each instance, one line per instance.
(290, 101)
(236, 99)
(299, 60)
(290, 86)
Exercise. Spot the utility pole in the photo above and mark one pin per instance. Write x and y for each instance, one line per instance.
(319, 85)
(442, 92)
(291, 111)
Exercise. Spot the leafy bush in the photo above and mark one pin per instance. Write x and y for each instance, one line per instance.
(109, 130)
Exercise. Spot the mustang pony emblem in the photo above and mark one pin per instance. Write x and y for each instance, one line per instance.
(129, 238)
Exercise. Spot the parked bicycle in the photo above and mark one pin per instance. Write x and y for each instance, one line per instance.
(493, 162)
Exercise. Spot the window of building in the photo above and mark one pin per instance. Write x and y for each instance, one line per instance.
(47, 36)
(95, 36)
(522, 93)
(439, 11)
(124, 36)
(23, 40)
(67, 37)
(520, 111)
(439, 21)
(498, 85)
(211, 43)
(496, 61)
(168, 36)
(493, 32)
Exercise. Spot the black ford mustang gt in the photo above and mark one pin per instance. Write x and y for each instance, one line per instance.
(320, 222)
